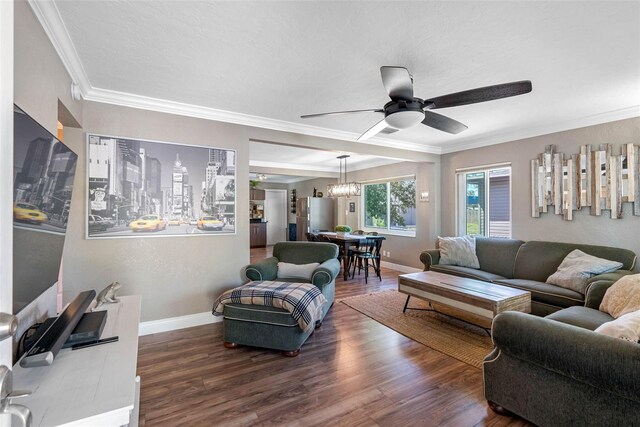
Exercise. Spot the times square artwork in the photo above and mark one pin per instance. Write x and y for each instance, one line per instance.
(140, 188)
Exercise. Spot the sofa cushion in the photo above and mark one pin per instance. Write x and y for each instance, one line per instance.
(497, 255)
(546, 293)
(577, 268)
(470, 273)
(458, 251)
(539, 260)
(622, 297)
(583, 317)
(626, 327)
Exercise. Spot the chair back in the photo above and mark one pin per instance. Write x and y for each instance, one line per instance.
(312, 237)
(324, 238)
(358, 232)
(304, 252)
(372, 247)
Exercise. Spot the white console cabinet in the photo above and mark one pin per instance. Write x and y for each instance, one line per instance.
(93, 386)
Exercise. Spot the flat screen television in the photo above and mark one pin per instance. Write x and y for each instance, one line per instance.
(43, 175)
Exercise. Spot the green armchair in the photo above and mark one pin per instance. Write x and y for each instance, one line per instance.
(269, 327)
(324, 276)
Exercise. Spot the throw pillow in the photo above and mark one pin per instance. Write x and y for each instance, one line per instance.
(576, 269)
(626, 327)
(459, 251)
(296, 271)
(622, 297)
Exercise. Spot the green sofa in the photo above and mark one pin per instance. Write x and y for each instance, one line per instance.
(274, 328)
(527, 265)
(555, 371)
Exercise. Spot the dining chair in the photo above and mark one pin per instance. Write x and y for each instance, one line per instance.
(312, 237)
(372, 252)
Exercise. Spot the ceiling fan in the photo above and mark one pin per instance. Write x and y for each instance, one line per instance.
(405, 111)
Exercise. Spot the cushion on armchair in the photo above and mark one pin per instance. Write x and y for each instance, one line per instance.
(296, 271)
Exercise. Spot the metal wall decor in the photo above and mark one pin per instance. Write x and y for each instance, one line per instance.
(597, 179)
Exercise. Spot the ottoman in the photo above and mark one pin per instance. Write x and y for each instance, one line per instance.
(273, 314)
(262, 326)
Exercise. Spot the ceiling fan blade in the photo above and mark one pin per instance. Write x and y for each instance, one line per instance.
(398, 83)
(335, 113)
(375, 129)
(442, 123)
(483, 94)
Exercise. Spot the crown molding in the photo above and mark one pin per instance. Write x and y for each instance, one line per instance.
(515, 135)
(49, 17)
(173, 107)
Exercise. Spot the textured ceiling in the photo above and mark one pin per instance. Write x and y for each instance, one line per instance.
(279, 60)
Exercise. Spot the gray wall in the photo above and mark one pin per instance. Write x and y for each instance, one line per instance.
(404, 250)
(175, 275)
(584, 228)
(40, 82)
(40, 78)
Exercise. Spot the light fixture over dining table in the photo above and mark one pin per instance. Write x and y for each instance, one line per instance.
(343, 188)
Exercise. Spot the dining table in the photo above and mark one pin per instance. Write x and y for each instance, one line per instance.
(345, 241)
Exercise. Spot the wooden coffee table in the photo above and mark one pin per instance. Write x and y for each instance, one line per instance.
(479, 298)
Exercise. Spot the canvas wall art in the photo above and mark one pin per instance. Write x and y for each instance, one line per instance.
(139, 188)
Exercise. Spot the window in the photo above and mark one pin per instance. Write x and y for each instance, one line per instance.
(484, 202)
(390, 207)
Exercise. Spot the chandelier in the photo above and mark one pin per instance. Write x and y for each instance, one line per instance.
(343, 188)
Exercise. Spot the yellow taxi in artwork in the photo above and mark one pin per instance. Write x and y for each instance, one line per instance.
(26, 212)
(208, 222)
(148, 223)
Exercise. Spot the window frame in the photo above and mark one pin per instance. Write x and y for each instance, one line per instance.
(460, 197)
(388, 230)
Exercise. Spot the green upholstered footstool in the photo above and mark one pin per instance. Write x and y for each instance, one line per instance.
(275, 328)
(261, 326)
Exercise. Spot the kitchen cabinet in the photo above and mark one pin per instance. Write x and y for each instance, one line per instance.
(257, 234)
(256, 194)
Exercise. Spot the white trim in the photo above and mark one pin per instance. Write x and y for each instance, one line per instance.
(399, 267)
(179, 322)
(518, 134)
(172, 107)
(6, 173)
(482, 168)
(53, 25)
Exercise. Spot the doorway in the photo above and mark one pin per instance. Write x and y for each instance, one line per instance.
(275, 212)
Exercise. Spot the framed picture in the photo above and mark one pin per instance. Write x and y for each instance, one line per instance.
(139, 188)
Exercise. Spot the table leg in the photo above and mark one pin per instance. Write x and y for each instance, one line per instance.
(345, 261)
(406, 304)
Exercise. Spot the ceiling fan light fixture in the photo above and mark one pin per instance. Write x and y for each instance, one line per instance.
(404, 119)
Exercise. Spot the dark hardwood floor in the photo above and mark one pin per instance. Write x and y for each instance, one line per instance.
(352, 371)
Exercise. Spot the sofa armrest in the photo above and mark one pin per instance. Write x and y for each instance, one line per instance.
(429, 258)
(598, 285)
(266, 269)
(325, 273)
(598, 360)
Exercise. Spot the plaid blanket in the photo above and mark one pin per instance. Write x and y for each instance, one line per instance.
(303, 300)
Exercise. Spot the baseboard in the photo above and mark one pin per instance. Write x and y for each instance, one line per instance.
(399, 267)
(180, 322)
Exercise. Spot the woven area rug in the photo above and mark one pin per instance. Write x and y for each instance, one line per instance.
(467, 343)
